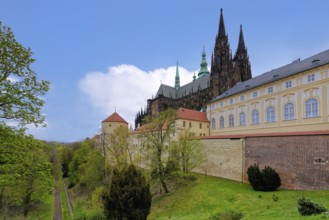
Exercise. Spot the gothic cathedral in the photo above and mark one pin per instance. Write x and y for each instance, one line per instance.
(225, 73)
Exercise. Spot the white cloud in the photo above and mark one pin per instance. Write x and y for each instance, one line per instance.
(127, 87)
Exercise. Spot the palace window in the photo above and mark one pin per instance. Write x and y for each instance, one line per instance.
(221, 122)
(288, 84)
(242, 98)
(213, 123)
(311, 107)
(231, 120)
(270, 114)
(254, 94)
(289, 111)
(255, 117)
(310, 78)
(270, 90)
(231, 101)
(221, 104)
(242, 119)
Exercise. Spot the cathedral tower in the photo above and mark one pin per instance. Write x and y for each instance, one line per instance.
(242, 69)
(221, 62)
(225, 71)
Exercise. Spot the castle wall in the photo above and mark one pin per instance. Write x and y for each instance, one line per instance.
(301, 161)
(225, 158)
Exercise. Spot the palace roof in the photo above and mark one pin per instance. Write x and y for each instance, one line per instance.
(188, 114)
(293, 68)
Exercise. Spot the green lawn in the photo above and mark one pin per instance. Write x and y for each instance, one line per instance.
(210, 195)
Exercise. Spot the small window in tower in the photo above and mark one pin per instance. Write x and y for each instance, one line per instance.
(190, 124)
(184, 123)
(110, 125)
(200, 125)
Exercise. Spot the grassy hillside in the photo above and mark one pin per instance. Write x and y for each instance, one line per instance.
(210, 195)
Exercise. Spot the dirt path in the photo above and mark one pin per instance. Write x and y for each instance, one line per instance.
(57, 201)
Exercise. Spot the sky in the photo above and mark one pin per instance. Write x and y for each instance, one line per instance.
(103, 56)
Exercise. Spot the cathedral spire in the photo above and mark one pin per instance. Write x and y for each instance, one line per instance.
(204, 65)
(177, 81)
(241, 45)
(221, 29)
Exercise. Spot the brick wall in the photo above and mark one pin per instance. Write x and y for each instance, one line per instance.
(301, 161)
(224, 158)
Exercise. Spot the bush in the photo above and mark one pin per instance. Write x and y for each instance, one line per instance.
(129, 196)
(266, 180)
(228, 215)
(308, 207)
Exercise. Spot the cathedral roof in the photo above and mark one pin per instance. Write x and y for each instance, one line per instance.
(293, 68)
(115, 117)
(188, 114)
(192, 87)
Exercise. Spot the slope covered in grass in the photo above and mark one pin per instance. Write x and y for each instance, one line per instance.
(210, 195)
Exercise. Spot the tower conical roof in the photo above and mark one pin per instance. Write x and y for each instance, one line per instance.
(204, 65)
(241, 44)
(115, 117)
(177, 81)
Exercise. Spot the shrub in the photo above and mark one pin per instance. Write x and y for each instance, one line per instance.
(129, 196)
(266, 180)
(308, 207)
(271, 179)
(227, 215)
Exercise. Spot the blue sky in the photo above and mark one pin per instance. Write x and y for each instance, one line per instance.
(104, 54)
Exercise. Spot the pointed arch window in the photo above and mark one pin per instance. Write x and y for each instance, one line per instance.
(221, 122)
(311, 107)
(213, 123)
(289, 111)
(255, 117)
(270, 114)
(242, 119)
(231, 120)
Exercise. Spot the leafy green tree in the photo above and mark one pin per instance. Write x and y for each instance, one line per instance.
(86, 167)
(128, 197)
(191, 152)
(118, 147)
(25, 172)
(156, 137)
(21, 91)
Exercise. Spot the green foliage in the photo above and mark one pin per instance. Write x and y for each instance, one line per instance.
(86, 167)
(25, 172)
(266, 180)
(191, 152)
(157, 145)
(20, 97)
(228, 215)
(129, 196)
(308, 207)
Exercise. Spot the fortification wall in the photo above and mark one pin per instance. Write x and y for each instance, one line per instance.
(301, 161)
(225, 158)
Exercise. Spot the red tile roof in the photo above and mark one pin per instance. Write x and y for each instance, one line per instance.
(115, 117)
(188, 114)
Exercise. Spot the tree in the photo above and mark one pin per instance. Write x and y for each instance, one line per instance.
(25, 172)
(156, 137)
(20, 96)
(129, 195)
(191, 152)
(117, 144)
